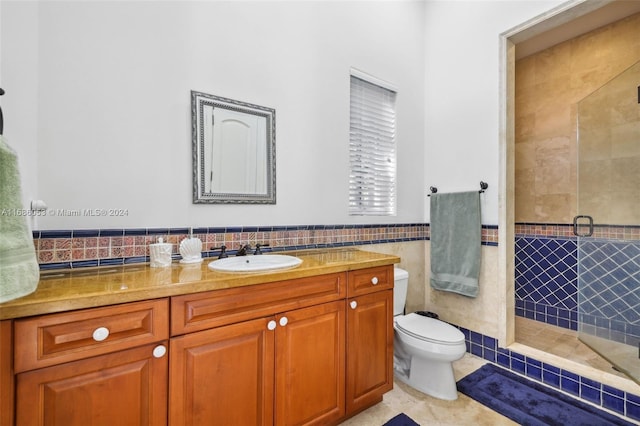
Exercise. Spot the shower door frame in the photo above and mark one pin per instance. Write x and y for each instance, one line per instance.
(608, 252)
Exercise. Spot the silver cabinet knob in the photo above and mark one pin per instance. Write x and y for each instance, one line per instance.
(100, 333)
(271, 325)
(159, 351)
(353, 304)
(284, 321)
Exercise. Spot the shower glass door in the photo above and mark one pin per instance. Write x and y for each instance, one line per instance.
(608, 225)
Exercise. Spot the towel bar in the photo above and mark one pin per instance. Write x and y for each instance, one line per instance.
(483, 187)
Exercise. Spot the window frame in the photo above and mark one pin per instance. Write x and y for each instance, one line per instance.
(372, 146)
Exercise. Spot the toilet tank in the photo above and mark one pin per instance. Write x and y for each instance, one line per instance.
(400, 285)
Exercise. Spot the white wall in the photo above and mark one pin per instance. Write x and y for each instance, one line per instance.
(19, 79)
(462, 92)
(98, 108)
(462, 138)
(97, 101)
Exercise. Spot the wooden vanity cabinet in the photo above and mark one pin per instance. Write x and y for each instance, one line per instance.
(318, 364)
(306, 351)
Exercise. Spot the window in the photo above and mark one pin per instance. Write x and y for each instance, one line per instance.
(372, 147)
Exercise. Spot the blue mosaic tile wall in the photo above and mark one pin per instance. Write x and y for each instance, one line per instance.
(616, 400)
(546, 281)
(546, 285)
(609, 294)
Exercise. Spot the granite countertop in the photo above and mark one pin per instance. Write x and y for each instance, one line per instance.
(65, 290)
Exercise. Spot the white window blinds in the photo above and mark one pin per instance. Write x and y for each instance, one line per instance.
(372, 149)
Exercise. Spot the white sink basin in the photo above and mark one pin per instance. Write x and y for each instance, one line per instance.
(265, 262)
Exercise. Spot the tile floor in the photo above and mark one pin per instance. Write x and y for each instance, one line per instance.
(465, 411)
(431, 411)
(561, 342)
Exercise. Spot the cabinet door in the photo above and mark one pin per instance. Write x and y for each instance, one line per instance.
(369, 349)
(122, 388)
(223, 376)
(310, 365)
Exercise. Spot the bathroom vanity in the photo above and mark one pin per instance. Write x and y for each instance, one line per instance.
(187, 345)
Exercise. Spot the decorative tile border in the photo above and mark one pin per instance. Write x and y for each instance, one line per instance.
(609, 232)
(610, 398)
(543, 230)
(63, 249)
(490, 235)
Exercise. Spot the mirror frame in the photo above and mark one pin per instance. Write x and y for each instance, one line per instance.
(198, 101)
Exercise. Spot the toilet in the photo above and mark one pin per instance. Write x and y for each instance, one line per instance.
(424, 347)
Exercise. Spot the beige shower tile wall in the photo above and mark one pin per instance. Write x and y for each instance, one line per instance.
(609, 129)
(549, 85)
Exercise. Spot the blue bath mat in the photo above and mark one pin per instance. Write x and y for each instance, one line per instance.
(401, 420)
(530, 403)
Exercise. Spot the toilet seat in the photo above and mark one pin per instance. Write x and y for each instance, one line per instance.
(429, 329)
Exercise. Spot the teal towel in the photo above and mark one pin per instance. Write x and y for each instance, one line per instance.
(455, 242)
(19, 271)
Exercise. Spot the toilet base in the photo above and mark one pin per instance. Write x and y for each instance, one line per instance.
(435, 378)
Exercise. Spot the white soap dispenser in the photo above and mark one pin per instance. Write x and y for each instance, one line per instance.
(160, 254)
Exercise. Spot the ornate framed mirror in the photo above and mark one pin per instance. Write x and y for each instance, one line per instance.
(234, 151)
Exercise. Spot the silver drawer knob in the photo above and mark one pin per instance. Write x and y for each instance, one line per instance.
(374, 280)
(159, 351)
(100, 333)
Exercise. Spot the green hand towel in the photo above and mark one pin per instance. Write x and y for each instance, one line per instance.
(19, 270)
(456, 233)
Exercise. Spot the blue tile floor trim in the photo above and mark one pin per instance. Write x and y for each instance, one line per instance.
(615, 400)
(560, 317)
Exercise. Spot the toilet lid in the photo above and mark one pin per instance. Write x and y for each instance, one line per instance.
(429, 329)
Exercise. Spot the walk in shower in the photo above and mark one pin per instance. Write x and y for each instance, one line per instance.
(608, 221)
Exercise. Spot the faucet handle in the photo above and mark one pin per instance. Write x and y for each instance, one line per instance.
(223, 251)
(242, 251)
(258, 246)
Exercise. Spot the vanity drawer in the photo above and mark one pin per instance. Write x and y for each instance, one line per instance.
(201, 311)
(364, 281)
(57, 338)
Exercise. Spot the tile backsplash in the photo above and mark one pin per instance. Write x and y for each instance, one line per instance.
(95, 247)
